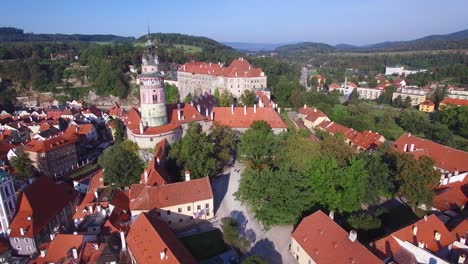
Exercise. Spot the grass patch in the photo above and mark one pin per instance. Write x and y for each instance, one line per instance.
(83, 171)
(289, 122)
(205, 245)
(188, 48)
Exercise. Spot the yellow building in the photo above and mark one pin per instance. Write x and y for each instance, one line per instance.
(427, 106)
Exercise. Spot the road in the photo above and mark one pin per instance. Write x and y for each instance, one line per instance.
(303, 80)
(273, 244)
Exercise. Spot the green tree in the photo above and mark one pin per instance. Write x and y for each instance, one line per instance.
(223, 139)
(119, 130)
(226, 99)
(336, 148)
(231, 234)
(387, 95)
(188, 98)
(296, 151)
(407, 102)
(24, 168)
(414, 121)
(439, 94)
(257, 145)
(172, 93)
(122, 167)
(364, 221)
(353, 97)
(254, 260)
(379, 183)
(398, 102)
(248, 98)
(416, 178)
(196, 153)
(217, 95)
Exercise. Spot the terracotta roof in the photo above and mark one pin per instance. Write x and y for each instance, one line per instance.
(239, 68)
(41, 201)
(455, 101)
(224, 117)
(47, 145)
(83, 129)
(157, 175)
(262, 97)
(119, 220)
(149, 237)
(311, 114)
(60, 248)
(461, 230)
(4, 149)
(334, 86)
(120, 199)
(351, 84)
(426, 229)
(368, 140)
(148, 198)
(90, 254)
(335, 128)
(447, 158)
(451, 195)
(115, 110)
(326, 242)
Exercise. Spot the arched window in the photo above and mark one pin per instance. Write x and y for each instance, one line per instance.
(155, 98)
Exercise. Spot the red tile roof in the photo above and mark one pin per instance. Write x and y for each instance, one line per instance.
(351, 84)
(368, 140)
(47, 145)
(335, 128)
(451, 195)
(263, 98)
(149, 237)
(334, 86)
(224, 117)
(427, 103)
(425, 233)
(447, 158)
(148, 198)
(239, 68)
(311, 114)
(41, 201)
(454, 101)
(115, 110)
(326, 242)
(157, 175)
(83, 129)
(59, 249)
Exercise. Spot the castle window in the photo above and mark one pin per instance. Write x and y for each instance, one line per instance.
(155, 98)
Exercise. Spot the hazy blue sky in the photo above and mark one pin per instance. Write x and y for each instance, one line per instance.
(329, 21)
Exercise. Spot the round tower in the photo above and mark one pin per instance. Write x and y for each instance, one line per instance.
(152, 96)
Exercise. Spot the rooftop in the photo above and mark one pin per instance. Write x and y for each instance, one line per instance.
(236, 118)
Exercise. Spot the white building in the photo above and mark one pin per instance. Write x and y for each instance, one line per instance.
(369, 93)
(7, 200)
(457, 93)
(400, 71)
(197, 78)
(417, 95)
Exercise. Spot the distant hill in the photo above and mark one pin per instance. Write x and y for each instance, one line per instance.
(246, 46)
(9, 34)
(345, 47)
(204, 43)
(304, 48)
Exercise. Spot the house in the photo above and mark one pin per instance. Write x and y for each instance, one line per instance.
(53, 156)
(312, 117)
(318, 239)
(240, 118)
(44, 208)
(427, 106)
(156, 174)
(196, 78)
(115, 110)
(453, 195)
(87, 130)
(457, 93)
(367, 140)
(178, 204)
(333, 86)
(452, 102)
(416, 95)
(64, 248)
(205, 103)
(448, 160)
(369, 93)
(426, 241)
(7, 200)
(151, 241)
(264, 99)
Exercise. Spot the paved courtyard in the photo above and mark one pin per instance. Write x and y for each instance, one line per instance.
(272, 244)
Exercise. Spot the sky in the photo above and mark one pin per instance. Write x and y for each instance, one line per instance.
(260, 21)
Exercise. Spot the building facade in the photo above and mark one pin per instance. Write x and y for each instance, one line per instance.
(197, 78)
(369, 93)
(7, 200)
(417, 95)
(427, 106)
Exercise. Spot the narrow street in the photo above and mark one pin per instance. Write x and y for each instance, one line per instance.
(273, 244)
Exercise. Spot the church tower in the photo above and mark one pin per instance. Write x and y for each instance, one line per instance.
(152, 96)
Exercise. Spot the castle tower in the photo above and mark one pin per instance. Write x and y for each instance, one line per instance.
(152, 96)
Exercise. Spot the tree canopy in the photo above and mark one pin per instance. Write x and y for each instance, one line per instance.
(23, 167)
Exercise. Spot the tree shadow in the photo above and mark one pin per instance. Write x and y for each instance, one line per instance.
(266, 249)
(219, 186)
(248, 234)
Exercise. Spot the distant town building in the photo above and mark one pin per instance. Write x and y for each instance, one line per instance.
(400, 71)
(53, 156)
(427, 106)
(196, 78)
(452, 102)
(457, 93)
(318, 239)
(178, 204)
(312, 117)
(44, 208)
(369, 93)
(417, 95)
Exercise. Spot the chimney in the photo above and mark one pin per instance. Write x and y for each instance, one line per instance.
(305, 106)
(279, 110)
(178, 114)
(157, 161)
(463, 240)
(415, 230)
(22, 231)
(124, 243)
(199, 108)
(412, 148)
(75, 253)
(43, 253)
(232, 109)
(191, 103)
(52, 236)
(421, 244)
(162, 254)
(187, 175)
(206, 112)
(405, 148)
(245, 110)
(255, 108)
(142, 128)
(425, 218)
(315, 110)
(178, 105)
(462, 258)
(331, 215)
(437, 236)
(96, 194)
(212, 115)
(345, 81)
(146, 176)
(352, 235)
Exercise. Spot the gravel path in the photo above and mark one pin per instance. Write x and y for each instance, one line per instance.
(273, 244)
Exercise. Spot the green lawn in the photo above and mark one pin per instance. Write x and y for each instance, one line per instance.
(289, 122)
(188, 48)
(205, 245)
(83, 171)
